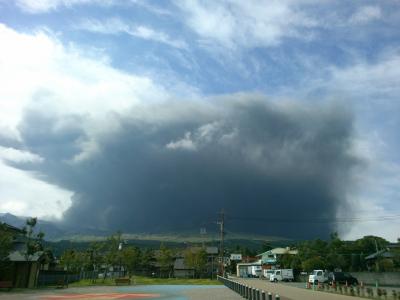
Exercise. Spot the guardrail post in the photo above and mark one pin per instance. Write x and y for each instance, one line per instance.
(257, 294)
(277, 297)
(263, 295)
(269, 296)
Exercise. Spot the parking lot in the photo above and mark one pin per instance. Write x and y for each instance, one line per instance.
(165, 292)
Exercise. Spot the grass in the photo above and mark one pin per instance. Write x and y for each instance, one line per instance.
(183, 281)
(141, 280)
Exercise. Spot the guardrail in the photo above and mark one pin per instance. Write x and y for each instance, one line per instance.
(246, 291)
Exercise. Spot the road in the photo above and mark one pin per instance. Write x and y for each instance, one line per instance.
(288, 292)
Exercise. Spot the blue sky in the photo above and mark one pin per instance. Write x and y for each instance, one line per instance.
(94, 58)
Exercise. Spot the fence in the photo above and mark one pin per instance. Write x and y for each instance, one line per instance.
(56, 277)
(246, 291)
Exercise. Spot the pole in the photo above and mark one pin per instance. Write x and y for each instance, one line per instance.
(221, 247)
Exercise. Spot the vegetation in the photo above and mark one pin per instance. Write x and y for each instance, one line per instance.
(339, 254)
(142, 280)
(166, 261)
(196, 260)
(5, 248)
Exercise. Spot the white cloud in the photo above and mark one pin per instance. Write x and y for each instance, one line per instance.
(365, 79)
(18, 156)
(185, 143)
(21, 193)
(63, 81)
(366, 14)
(117, 26)
(43, 6)
(245, 23)
(39, 73)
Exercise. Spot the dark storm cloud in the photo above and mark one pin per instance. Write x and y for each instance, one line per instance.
(174, 166)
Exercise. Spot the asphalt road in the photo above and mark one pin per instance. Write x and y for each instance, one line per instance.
(288, 292)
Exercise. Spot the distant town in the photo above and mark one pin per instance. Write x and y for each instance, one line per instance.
(28, 261)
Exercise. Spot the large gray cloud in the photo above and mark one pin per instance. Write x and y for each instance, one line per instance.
(174, 166)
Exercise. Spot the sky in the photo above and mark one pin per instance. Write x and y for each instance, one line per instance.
(152, 116)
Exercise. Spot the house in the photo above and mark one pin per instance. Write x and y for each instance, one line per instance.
(247, 269)
(181, 270)
(19, 267)
(211, 268)
(271, 257)
(390, 253)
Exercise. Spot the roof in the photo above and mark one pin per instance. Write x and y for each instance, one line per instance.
(256, 263)
(179, 264)
(19, 256)
(279, 251)
(385, 253)
(11, 228)
(212, 250)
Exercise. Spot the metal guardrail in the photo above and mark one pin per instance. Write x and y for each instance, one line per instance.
(246, 291)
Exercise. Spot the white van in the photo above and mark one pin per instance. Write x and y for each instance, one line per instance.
(282, 275)
(318, 276)
(268, 273)
(256, 271)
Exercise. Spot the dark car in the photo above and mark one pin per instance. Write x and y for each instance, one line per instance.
(342, 278)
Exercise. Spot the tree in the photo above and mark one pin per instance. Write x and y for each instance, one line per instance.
(313, 263)
(131, 258)
(95, 258)
(5, 248)
(34, 243)
(197, 260)
(147, 260)
(165, 260)
(112, 256)
(5, 242)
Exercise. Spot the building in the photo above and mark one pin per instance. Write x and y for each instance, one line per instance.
(19, 267)
(211, 267)
(271, 257)
(181, 270)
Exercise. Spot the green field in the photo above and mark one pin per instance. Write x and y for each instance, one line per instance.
(141, 280)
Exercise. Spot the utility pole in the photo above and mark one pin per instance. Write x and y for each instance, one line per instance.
(221, 246)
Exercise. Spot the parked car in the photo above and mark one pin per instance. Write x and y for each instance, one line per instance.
(318, 276)
(255, 271)
(341, 277)
(268, 273)
(282, 275)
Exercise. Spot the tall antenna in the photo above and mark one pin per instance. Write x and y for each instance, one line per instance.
(221, 245)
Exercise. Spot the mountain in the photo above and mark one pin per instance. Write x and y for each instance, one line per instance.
(53, 230)
(57, 232)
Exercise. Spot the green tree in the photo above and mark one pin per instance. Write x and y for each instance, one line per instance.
(165, 260)
(197, 260)
(147, 260)
(95, 254)
(5, 249)
(5, 242)
(386, 265)
(112, 252)
(34, 242)
(313, 263)
(131, 258)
